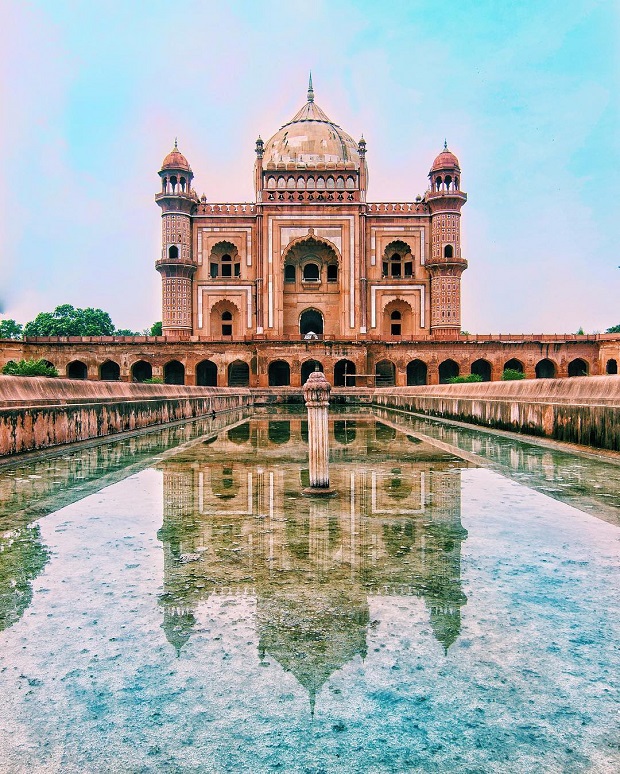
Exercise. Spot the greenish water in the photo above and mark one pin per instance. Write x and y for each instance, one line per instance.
(172, 603)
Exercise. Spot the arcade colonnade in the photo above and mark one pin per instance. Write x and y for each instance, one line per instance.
(343, 364)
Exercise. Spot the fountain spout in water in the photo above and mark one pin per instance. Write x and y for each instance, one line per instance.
(316, 394)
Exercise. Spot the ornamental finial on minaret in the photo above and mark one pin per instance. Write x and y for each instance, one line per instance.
(310, 89)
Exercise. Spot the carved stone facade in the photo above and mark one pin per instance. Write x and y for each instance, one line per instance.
(311, 273)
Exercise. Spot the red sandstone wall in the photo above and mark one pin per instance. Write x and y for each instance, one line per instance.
(580, 410)
(36, 413)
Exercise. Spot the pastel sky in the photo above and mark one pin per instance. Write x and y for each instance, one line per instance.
(526, 93)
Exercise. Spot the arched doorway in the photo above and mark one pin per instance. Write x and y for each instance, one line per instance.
(344, 373)
(385, 371)
(141, 371)
(612, 366)
(279, 374)
(77, 370)
(206, 374)
(174, 372)
(482, 368)
(417, 373)
(309, 367)
(238, 374)
(110, 371)
(311, 321)
(578, 367)
(514, 365)
(545, 369)
(448, 370)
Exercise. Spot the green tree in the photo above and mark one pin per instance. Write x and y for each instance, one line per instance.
(29, 368)
(9, 329)
(156, 329)
(512, 375)
(125, 332)
(66, 320)
(613, 329)
(462, 379)
(580, 332)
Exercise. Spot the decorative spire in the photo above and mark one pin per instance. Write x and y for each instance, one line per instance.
(445, 144)
(310, 89)
(176, 147)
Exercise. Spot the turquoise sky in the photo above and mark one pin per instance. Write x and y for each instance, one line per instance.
(526, 94)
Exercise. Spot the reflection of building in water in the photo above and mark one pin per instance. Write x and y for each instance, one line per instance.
(235, 522)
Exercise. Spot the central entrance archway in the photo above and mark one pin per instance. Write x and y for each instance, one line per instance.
(311, 321)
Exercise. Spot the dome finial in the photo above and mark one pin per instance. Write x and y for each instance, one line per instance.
(176, 146)
(310, 89)
(445, 144)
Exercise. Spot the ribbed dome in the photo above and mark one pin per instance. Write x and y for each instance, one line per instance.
(311, 138)
(445, 160)
(175, 160)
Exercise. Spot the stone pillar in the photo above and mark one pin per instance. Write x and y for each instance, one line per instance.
(316, 394)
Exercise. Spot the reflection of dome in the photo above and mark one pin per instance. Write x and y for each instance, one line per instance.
(313, 633)
(178, 624)
(175, 159)
(311, 138)
(445, 160)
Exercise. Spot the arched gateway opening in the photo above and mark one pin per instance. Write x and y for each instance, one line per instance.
(77, 370)
(311, 321)
(344, 373)
(309, 367)
(417, 373)
(206, 374)
(279, 374)
(141, 371)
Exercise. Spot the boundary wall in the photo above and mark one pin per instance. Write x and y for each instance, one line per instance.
(36, 412)
(584, 411)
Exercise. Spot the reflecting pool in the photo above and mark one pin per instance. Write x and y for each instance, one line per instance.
(171, 602)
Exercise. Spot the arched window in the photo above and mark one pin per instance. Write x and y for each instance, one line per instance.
(301, 184)
(281, 182)
(332, 272)
(311, 322)
(482, 368)
(350, 183)
(311, 272)
(174, 372)
(340, 183)
(395, 325)
(612, 366)
(417, 373)
(173, 252)
(513, 365)
(77, 370)
(448, 181)
(308, 368)
(310, 183)
(397, 260)
(238, 374)
(279, 373)
(448, 251)
(344, 373)
(448, 370)
(206, 374)
(271, 182)
(320, 183)
(289, 273)
(110, 371)
(545, 369)
(438, 182)
(227, 320)
(331, 184)
(141, 371)
(578, 367)
(385, 372)
(224, 261)
(291, 183)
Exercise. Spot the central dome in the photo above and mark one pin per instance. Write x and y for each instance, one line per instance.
(310, 138)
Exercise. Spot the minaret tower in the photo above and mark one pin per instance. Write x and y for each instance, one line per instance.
(176, 266)
(445, 264)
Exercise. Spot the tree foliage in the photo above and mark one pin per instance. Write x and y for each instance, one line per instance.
(29, 368)
(613, 329)
(9, 329)
(126, 332)
(512, 375)
(156, 329)
(463, 379)
(66, 320)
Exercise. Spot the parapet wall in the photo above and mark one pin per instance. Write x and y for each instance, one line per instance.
(579, 410)
(36, 413)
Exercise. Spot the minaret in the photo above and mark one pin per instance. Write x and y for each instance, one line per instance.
(445, 264)
(176, 266)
